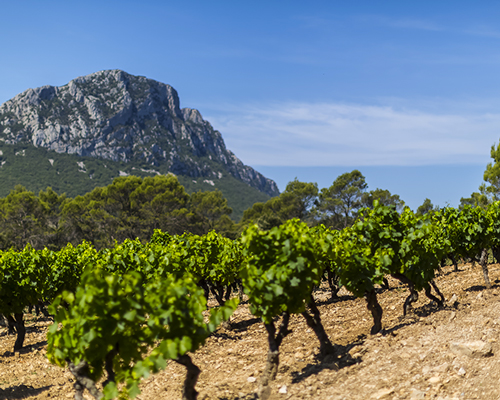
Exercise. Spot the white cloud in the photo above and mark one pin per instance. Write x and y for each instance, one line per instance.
(402, 23)
(331, 134)
(471, 28)
(484, 31)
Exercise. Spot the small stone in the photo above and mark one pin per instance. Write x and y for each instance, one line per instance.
(417, 395)
(453, 302)
(434, 380)
(461, 371)
(442, 368)
(473, 349)
(382, 393)
(251, 379)
(358, 351)
(283, 390)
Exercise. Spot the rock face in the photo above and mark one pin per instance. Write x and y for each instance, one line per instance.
(118, 116)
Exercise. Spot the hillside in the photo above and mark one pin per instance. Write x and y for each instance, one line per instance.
(414, 358)
(131, 121)
(37, 168)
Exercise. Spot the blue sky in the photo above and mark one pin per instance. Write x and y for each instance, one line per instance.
(406, 92)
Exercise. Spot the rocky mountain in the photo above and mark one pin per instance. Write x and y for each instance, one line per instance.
(112, 115)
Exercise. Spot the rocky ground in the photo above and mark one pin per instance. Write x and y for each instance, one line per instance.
(448, 353)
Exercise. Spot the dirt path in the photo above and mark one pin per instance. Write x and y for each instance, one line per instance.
(414, 358)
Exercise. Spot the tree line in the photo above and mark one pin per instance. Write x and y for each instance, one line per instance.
(335, 207)
(338, 206)
(133, 207)
(130, 207)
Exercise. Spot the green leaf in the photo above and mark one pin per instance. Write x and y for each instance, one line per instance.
(294, 282)
(133, 390)
(110, 391)
(185, 345)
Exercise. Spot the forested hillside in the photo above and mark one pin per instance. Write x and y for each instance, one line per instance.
(37, 168)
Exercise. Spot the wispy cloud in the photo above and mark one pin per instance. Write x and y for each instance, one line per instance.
(484, 31)
(403, 23)
(330, 134)
(416, 24)
(430, 25)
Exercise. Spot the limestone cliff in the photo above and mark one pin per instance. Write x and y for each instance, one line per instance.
(122, 117)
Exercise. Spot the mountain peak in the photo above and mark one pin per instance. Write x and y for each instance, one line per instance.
(114, 115)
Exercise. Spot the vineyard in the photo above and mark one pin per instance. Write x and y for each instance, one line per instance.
(371, 311)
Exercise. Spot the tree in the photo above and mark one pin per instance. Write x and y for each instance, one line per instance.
(24, 219)
(340, 202)
(129, 207)
(492, 176)
(296, 201)
(425, 208)
(210, 212)
(53, 233)
(266, 215)
(132, 207)
(116, 201)
(384, 197)
(160, 202)
(85, 218)
(489, 191)
(476, 199)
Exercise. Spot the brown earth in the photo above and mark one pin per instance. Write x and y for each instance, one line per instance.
(411, 359)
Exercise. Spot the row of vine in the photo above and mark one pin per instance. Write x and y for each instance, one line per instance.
(120, 314)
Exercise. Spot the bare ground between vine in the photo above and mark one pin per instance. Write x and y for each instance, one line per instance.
(411, 359)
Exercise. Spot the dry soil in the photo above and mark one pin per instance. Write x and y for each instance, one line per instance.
(411, 359)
